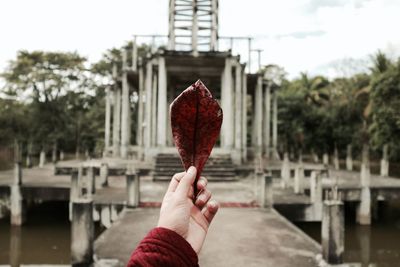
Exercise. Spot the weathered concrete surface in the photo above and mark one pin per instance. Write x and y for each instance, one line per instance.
(237, 237)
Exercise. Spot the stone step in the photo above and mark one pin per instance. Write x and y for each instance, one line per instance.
(210, 178)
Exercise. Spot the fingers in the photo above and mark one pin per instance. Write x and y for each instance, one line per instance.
(175, 181)
(203, 198)
(210, 210)
(186, 182)
(201, 183)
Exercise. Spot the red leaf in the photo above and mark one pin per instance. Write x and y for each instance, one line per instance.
(196, 120)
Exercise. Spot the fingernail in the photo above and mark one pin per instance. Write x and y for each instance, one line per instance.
(191, 170)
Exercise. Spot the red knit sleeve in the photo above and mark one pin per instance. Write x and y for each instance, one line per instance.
(163, 247)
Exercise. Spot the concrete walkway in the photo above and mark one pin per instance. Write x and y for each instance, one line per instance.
(237, 237)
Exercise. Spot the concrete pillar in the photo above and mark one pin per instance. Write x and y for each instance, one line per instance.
(258, 176)
(134, 55)
(285, 171)
(244, 116)
(237, 156)
(333, 231)
(267, 121)
(267, 198)
(90, 181)
(42, 159)
(258, 116)
(314, 156)
(133, 189)
(316, 194)
(349, 158)
(17, 173)
(325, 159)
(227, 105)
(82, 232)
(149, 91)
(171, 29)
(105, 216)
(336, 158)
(54, 153)
(195, 28)
(299, 179)
(154, 111)
(140, 119)
(385, 161)
(162, 111)
(116, 121)
(17, 209)
(364, 207)
(29, 156)
(107, 123)
(114, 213)
(275, 124)
(75, 191)
(214, 25)
(125, 130)
(104, 174)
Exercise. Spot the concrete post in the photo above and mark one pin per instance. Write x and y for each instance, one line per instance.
(82, 232)
(244, 116)
(29, 155)
(154, 111)
(171, 29)
(104, 174)
(17, 173)
(107, 123)
(227, 105)
(316, 194)
(267, 121)
(258, 116)
(364, 207)
(299, 179)
(125, 107)
(133, 189)
(140, 111)
(314, 156)
(162, 111)
(42, 159)
(116, 121)
(336, 158)
(333, 232)
(325, 159)
(285, 172)
(195, 29)
(75, 191)
(54, 153)
(275, 124)
(214, 25)
(267, 198)
(17, 209)
(134, 55)
(105, 216)
(349, 158)
(148, 88)
(237, 157)
(385, 161)
(258, 176)
(90, 181)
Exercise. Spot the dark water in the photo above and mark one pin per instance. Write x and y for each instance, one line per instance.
(45, 238)
(378, 244)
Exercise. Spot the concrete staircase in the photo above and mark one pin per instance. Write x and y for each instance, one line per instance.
(218, 168)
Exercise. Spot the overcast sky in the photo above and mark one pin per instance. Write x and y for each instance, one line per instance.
(300, 35)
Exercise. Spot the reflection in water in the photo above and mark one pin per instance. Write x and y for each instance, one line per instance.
(377, 245)
(15, 246)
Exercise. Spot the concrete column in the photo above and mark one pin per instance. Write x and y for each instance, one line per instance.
(17, 209)
(195, 29)
(267, 121)
(29, 155)
(227, 105)
(116, 121)
(125, 130)
(336, 159)
(349, 158)
(267, 198)
(385, 161)
(237, 156)
(299, 179)
(258, 116)
(364, 207)
(134, 55)
(333, 232)
(82, 233)
(316, 194)
(42, 158)
(133, 189)
(325, 159)
(285, 171)
(314, 156)
(162, 111)
(258, 176)
(107, 123)
(154, 118)
(140, 120)
(90, 181)
(244, 116)
(114, 213)
(171, 29)
(104, 174)
(105, 216)
(75, 191)
(275, 124)
(148, 88)
(17, 173)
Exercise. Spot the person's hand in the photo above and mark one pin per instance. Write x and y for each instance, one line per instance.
(178, 212)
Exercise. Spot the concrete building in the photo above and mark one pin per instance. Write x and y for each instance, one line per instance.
(248, 98)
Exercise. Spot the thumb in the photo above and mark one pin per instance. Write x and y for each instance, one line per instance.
(186, 182)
